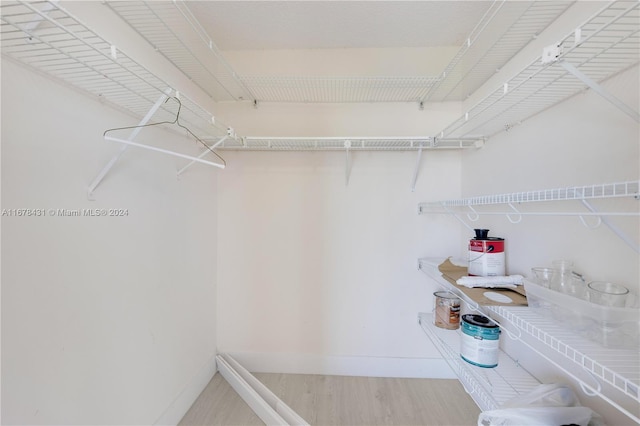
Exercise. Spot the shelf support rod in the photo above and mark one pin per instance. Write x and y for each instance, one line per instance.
(131, 137)
(415, 171)
(205, 152)
(624, 237)
(164, 151)
(347, 145)
(452, 213)
(600, 90)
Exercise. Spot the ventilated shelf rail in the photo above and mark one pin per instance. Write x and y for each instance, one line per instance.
(608, 373)
(400, 143)
(315, 89)
(612, 374)
(350, 144)
(489, 387)
(603, 46)
(173, 30)
(503, 31)
(582, 194)
(588, 192)
(46, 37)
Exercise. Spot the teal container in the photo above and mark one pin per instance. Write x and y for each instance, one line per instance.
(480, 341)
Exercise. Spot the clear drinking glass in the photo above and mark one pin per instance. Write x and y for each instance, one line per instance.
(562, 271)
(565, 280)
(607, 294)
(542, 276)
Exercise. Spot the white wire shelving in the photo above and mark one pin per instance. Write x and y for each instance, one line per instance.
(603, 46)
(173, 30)
(176, 33)
(46, 37)
(612, 374)
(310, 89)
(489, 387)
(608, 373)
(502, 32)
(400, 143)
(586, 192)
(582, 194)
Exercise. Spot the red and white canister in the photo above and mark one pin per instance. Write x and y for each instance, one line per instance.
(486, 255)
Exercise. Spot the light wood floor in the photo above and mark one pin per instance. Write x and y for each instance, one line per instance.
(342, 400)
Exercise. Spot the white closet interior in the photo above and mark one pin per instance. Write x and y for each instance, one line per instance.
(300, 255)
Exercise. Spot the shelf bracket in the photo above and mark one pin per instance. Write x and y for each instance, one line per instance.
(347, 173)
(131, 137)
(600, 90)
(205, 152)
(164, 151)
(452, 213)
(417, 168)
(623, 236)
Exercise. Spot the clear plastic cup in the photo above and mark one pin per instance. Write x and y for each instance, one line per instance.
(607, 294)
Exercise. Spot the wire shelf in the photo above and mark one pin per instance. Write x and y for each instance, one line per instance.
(615, 372)
(344, 143)
(338, 89)
(605, 45)
(617, 367)
(489, 387)
(173, 30)
(176, 34)
(599, 191)
(46, 37)
(504, 30)
(611, 374)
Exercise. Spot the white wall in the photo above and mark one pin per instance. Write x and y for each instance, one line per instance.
(582, 141)
(319, 277)
(408, 61)
(105, 320)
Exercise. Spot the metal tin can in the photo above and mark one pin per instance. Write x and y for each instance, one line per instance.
(486, 255)
(447, 310)
(479, 342)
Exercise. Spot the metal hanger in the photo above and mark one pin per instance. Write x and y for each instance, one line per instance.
(175, 121)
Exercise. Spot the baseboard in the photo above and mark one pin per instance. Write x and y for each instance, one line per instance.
(179, 407)
(430, 368)
(271, 409)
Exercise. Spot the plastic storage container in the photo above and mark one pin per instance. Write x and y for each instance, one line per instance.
(610, 326)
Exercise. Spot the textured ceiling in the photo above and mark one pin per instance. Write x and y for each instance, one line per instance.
(245, 25)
